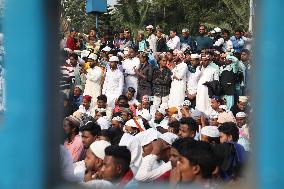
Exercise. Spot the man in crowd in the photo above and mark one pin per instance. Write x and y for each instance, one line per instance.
(203, 41)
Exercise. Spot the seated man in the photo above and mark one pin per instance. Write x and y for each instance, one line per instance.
(188, 128)
(116, 166)
(130, 95)
(77, 98)
(102, 105)
(122, 103)
(193, 162)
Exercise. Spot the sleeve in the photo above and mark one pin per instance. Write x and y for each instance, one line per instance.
(121, 83)
(146, 171)
(95, 76)
(216, 74)
(219, 42)
(105, 85)
(76, 152)
(179, 73)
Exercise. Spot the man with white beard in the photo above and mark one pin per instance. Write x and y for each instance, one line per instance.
(114, 81)
(209, 72)
(129, 65)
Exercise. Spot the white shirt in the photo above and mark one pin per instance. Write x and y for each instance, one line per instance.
(152, 40)
(113, 84)
(163, 123)
(192, 80)
(150, 169)
(129, 65)
(79, 169)
(174, 43)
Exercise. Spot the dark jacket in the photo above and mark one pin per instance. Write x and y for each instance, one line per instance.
(161, 45)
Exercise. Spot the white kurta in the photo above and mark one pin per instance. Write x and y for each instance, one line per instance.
(209, 73)
(113, 86)
(93, 83)
(152, 40)
(192, 80)
(178, 86)
(131, 79)
(174, 43)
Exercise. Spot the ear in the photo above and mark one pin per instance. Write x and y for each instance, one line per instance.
(192, 134)
(119, 169)
(230, 137)
(196, 169)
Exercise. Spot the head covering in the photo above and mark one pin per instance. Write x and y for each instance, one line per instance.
(93, 56)
(75, 121)
(186, 103)
(225, 117)
(216, 97)
(241, 115)
(98, 148)
(145, 114)
(210, 131)
(125, 51)
(217, 30)
(232, 58)
(149, 27)
(117, 118)
(196, 114)
(103, 123)
(213, 31)
(131, 123)
(164, 106)
(114, 59)
(224, 107)
(243, 99)
(120, 54)
(79, 86)
(88, 98)
(185, 30)
(106, 49)
(162, 111)
(146, 137)
(169, 137)
(195, 56)
(173, 110)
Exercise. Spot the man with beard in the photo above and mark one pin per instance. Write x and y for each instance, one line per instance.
(159, 122)
(94, 78)
(114, 81)
(90, 132)
(73, 143)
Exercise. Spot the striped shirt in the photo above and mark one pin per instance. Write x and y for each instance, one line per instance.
(67, 76)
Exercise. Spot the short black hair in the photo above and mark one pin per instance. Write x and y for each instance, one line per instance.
(192, 124)
(226, 31)
(122, 97)
(91, 127)
(198, 153)
(230, 128)
(74, 55)
(175, 125)
(121, 155)
(246, 51)
(103, 98)
(131, 89)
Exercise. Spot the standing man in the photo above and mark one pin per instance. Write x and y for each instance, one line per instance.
(209, 72)
(238, 41)
(203, 41)
(174, 41)
(94, 78)
(129, 65)
(152, 39)
(114, 81)
(178, 86)
(72, 43)
(187, 41)
(127, 40)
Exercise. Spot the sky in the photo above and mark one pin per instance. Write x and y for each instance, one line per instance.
(111, 2)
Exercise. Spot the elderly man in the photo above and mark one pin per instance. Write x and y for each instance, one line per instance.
(113, 84)
(129, 66)
(186, 41)
(152, 39)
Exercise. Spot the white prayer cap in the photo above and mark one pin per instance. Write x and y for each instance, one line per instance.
(169, 137)
(146, 137)
(196, 114)
(176, 116)
(98, 148)
(117, 118)
(224, 107)
(103, 123)
(232, 58)
(185, 30)
(85, 53)
(218, 30)
(186, 103)
(93, 56)
(79, 86)
(114, 59)
(210, 131)
(120, 54)
(131, 123)
(162, 111)
(145, 114)
(149, 27)
(195, 56)
(106, 49)
(225, 117)
(125, 51)
(213, 31)
(241, 115)
(243, 99)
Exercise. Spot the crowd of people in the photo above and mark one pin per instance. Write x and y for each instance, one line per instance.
(156, 109)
